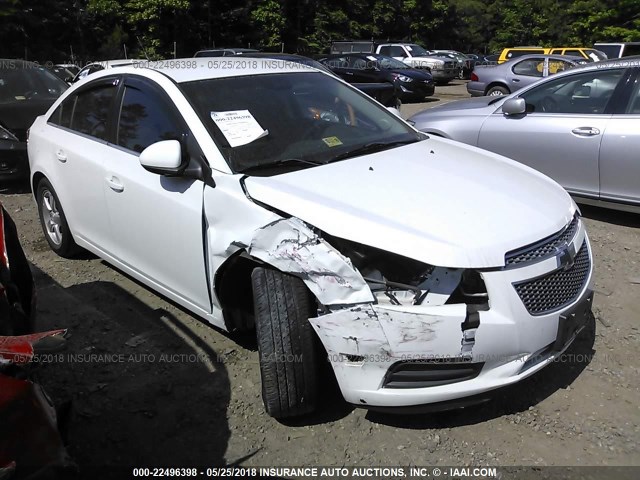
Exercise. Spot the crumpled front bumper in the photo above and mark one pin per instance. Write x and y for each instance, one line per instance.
(508, 345)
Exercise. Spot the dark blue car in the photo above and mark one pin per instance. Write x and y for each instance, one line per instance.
(411, 84)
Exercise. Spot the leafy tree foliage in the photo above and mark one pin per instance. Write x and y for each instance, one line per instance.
(62, 30)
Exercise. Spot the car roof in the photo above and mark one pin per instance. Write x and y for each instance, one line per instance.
(192, 69)
(569, 58)
(116, 63)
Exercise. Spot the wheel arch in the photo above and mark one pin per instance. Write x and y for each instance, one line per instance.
(496, 84)
(233, 289)
(35, 181)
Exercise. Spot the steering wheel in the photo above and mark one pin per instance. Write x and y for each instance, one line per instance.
(548, 105)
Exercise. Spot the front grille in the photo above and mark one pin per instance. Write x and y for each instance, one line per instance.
(543, 249)
(557, 289)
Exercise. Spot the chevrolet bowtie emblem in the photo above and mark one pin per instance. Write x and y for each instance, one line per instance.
(565, 254)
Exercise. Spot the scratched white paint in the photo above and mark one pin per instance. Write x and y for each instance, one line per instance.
(292, 247)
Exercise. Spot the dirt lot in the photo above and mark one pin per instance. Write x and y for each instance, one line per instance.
(149, 384)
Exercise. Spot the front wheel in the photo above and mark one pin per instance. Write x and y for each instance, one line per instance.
(53, 221)
(286, 343)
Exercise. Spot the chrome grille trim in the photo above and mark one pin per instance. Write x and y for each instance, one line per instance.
(555, 290)
(543, 249)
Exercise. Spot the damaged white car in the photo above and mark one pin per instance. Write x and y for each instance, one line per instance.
(276, 197)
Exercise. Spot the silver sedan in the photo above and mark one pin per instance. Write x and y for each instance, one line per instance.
(580, 127)
(518, 73)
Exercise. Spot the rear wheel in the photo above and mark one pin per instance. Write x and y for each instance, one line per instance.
(286, 343)
(53, 221)
(497, 90)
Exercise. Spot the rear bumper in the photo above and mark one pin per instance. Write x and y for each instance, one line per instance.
(14, 163)
(18, 294)
(475, 89)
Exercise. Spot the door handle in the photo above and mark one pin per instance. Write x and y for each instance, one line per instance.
(61, 156)
(586, 131)
(348, 73)
(515, 80)
(114, 184)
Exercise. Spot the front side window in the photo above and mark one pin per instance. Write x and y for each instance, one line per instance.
(634, 102)
(145, 118)
(581, 93)
(298, 119)
(91, 111)
(533, 67)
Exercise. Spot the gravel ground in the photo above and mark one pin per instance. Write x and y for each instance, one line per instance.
(149, 384)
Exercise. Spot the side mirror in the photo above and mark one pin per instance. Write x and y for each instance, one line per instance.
(164, 157)
(514, 106)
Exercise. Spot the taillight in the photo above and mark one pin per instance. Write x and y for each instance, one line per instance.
(474, 77)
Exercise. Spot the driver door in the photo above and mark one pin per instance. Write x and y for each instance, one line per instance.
(156, 221)
(561, 134)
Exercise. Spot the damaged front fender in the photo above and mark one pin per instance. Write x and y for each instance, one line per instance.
(292, 247)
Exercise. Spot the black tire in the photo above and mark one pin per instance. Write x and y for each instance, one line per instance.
(497, 90)
(286, 343)
(66, 247)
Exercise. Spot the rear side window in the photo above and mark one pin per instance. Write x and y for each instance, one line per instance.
(146, 118)
(91, 111)
(630, 50)
(62, 115)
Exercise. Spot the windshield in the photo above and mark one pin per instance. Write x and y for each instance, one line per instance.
(417, 50)
(595, 55)
(390, 63)
(298, 119)
(23, 81)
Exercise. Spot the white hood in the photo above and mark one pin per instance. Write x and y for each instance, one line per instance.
(437, 201)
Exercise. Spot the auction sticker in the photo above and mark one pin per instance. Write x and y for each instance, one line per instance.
(238, 127)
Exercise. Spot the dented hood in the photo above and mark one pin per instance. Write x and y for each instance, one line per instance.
(437, 201)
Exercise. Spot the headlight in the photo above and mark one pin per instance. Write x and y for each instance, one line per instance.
(404, 78)
(7, 135)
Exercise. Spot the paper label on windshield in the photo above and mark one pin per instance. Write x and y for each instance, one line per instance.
(332, 141)
(238, 127)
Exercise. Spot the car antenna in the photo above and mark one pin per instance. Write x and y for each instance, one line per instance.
(142, 47)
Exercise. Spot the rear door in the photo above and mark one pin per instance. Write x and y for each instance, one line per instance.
(525, 72)
(79, 153)
(157, 221)
(562, 131)
(620, 149)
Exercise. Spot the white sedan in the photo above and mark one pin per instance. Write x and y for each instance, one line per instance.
(260, 194)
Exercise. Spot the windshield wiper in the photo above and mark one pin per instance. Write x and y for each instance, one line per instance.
(372, 147)
(277, 163)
